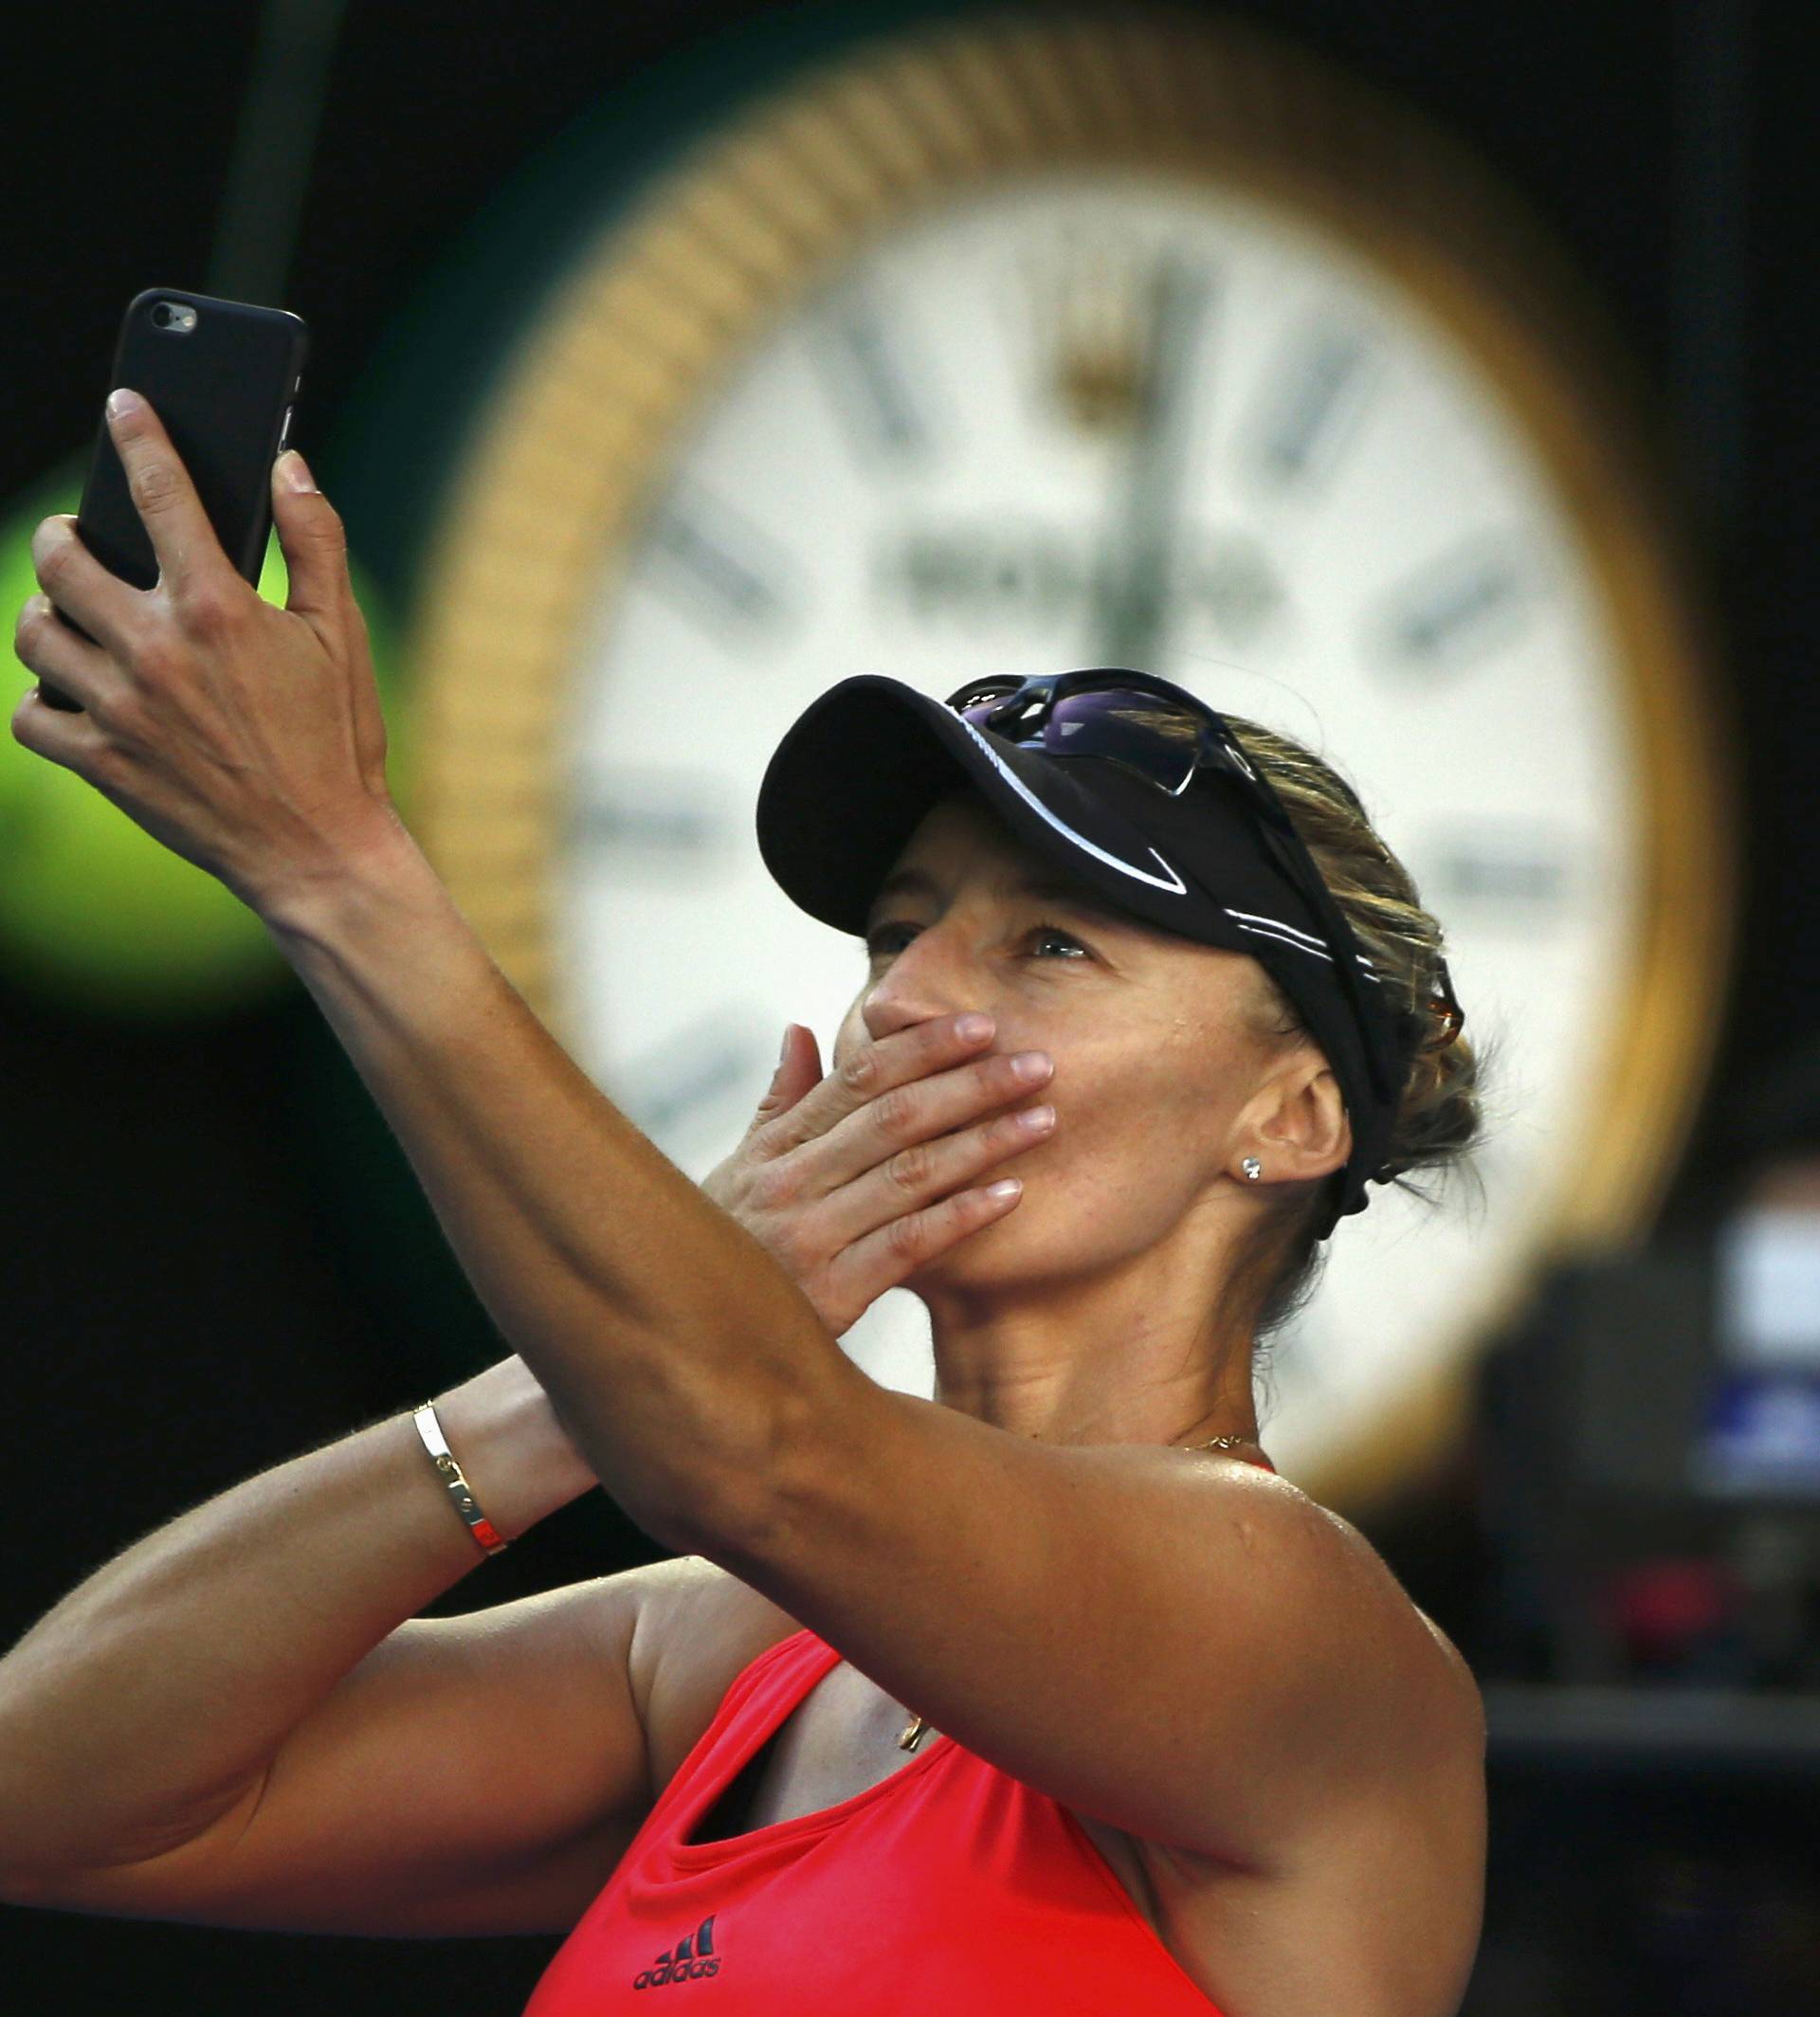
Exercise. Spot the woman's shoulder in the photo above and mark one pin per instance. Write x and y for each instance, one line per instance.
(1465, 1681)
(1459, 1683)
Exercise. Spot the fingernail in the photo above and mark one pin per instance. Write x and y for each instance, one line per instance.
(123, 400)
(294, 472)
(1031, 1064)
(973, 1029)
(1005, 1187)
(783, 1055)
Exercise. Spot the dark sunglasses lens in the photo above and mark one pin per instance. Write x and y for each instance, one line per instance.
(1146, 732)
(976, 701)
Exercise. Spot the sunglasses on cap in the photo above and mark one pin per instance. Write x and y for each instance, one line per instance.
(1167, 737)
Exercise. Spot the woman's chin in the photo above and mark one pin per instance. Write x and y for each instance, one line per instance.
(977, 1247)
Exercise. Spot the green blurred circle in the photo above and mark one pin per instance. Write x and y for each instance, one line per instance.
(93, 911)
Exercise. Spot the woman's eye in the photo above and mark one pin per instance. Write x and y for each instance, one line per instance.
(875, 939)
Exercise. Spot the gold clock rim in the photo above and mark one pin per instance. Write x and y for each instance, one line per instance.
(662, 301)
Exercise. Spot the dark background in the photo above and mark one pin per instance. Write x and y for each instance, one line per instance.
(195, 1286)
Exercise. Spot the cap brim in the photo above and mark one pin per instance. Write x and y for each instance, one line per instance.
(858, 769)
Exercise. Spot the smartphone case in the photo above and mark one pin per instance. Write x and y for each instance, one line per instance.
(224, 389)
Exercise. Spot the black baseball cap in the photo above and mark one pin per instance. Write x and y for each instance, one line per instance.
(859, 769)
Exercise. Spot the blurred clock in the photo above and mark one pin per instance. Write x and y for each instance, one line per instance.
(1017, 344)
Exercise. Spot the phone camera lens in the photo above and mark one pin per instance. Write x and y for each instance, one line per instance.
(161, 314)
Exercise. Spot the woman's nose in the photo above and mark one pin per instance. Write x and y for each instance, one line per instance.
(924, 980)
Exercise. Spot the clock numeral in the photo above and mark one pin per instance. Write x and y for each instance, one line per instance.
(679, 818)
(1118, 324)
(722, 567)
(1474, 600)
(1523, 867)
(1312, 405)
(861, 362)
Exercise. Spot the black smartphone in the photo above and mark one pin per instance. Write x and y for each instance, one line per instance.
(224, 377)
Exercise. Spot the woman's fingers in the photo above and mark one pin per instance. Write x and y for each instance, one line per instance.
(799, 1069)
(889, 1134)
(928, 1169)
(885, 1258)
(188, 552)
(906, 1088)
(45, 643)
(925, 1174)
(81, 588)
(901, 1125)
(920, 1200)
(874, 1069)
(882, 1243)
(61, 736)
(312, 540)
(854, 1181)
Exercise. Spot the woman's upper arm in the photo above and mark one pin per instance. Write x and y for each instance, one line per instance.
(473, 1774)
(1244, 1662)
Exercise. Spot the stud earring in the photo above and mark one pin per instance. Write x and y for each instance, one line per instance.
(1253, 1168)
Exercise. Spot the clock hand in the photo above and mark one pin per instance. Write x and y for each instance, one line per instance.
(1132, 602)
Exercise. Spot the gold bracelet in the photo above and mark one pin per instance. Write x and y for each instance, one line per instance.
(482, 1529)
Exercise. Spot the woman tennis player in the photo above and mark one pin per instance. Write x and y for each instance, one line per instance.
(1046, 1694)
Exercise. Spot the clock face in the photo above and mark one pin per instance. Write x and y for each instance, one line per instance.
(1117, 417)
(1142, 340)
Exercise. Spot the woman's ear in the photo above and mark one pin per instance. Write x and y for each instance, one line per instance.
(1298, 1124)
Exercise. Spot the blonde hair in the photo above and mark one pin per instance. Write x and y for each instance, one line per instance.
(1441, 1115)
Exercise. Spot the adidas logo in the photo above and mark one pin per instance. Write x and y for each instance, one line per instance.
(693, 1954)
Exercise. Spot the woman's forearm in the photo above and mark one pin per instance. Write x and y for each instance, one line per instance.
(249, 739)
(161, 1687)
(674, 1350)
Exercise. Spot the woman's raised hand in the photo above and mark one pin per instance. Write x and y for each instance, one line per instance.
(853, 1181)
(246, 737)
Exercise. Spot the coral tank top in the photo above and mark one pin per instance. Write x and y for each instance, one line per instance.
(946, 1887)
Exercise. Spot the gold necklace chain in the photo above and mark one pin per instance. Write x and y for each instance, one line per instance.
(918, 1727)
